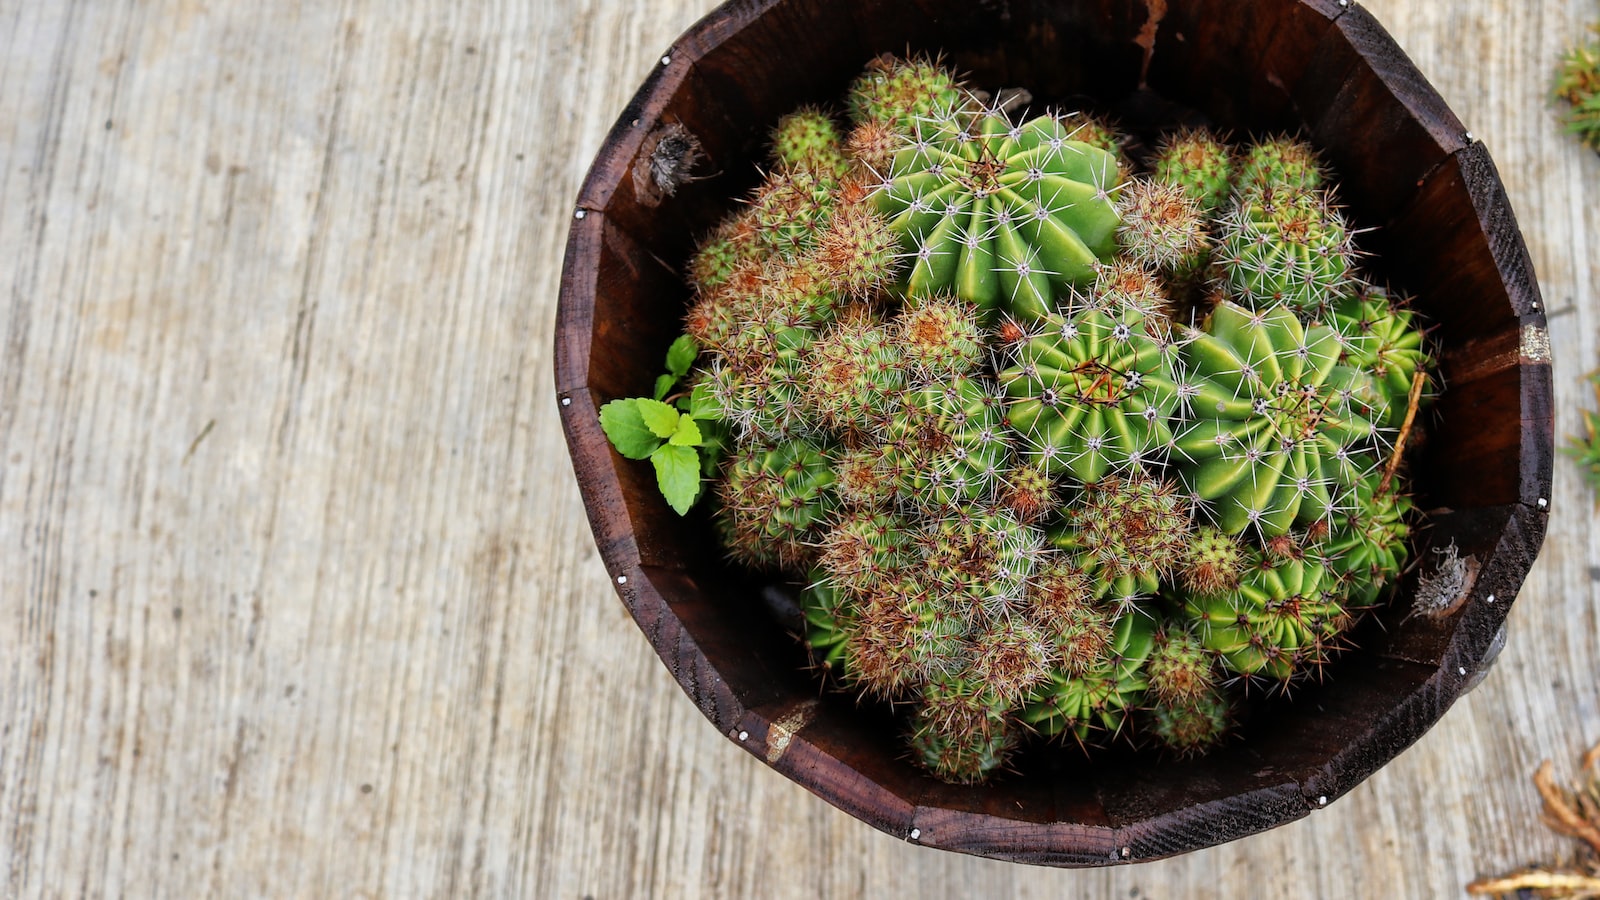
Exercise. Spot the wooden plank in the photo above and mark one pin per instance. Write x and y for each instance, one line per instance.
(300, 596)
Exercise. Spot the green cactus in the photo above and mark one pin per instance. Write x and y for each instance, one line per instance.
(900, 92)
(1381, 339)
(1128, 531)
(1280, 164)
(1283, 621)
(1366, 544)
(1190, 726)
(852, 371)
(903, 635)
(1199, 164)
(1093, 391)
(775, 501)
(1211, 563)
(957, 742)
(865, 547)
(1273, 430)
(1000, 215)
(1284, 246)
(1163, 228)
(1100, 698)
(1181, 670)
(808, 138)
(948, 445)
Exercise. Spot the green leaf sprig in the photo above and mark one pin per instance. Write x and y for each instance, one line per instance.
(1578, 83)
(1586, 449)
(683, 438)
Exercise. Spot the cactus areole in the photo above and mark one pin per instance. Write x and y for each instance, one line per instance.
(1049, 456)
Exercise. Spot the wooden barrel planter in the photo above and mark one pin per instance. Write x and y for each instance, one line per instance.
(1442, 230)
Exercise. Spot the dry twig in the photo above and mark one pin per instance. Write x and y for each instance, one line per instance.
(1574, 813)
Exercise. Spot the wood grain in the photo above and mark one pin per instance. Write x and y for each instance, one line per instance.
(298, 596)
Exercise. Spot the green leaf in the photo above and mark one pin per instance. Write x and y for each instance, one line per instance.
(626, 429)
(702, 403)
(661, 419)
(687, 435)
(680, 356)
(664, 384)
(678, 475)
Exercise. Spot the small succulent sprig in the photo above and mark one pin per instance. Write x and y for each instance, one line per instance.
(682, 439)
(1578, 84)
(1586, 449)
(1572, 812)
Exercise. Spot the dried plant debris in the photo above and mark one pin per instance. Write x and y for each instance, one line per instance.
(1441, 593)
(1574, 813)
(1578, 83)
(1586, 449)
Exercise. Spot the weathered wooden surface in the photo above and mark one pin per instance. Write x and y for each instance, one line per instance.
(296, 593)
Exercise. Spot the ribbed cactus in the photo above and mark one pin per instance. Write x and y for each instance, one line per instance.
(1199, 164)
(1094, 391)
(1286, 247)
(1271, 431)
(1282, 620)
(1381, 340)
(1052, 447)
(1001, 215)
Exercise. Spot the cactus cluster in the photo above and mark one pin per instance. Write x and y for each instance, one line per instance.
(1055, 448)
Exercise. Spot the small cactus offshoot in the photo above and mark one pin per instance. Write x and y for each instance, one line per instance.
(935, 372)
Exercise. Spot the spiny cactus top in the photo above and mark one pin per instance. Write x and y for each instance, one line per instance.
(1094, 391)
(1053, 448)
(1275, 423)
(1000, 214)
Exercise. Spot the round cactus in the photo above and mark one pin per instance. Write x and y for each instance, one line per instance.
(979, 558)
(1272, 430)
(1190, 726)
(957, 742)
(1000, 215)
(1129, 531)
(865, 547)
(775, 499)
(1366, 544)
(1211, 563)
(901, 635)
(939, 338)
(808, 138)
(948, 445)
(1181, 669)
(1199, 164)
(853, 371)
(1163, 228)
(1093, 391)
(1381, 339)
(1281, 622)
(1065, 600)
(1289, 247)
(757, 385)
(1029, 493)
(900, 92)
(1124, 283)
(1099, 699)
(1281, 164)
(856, 253)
